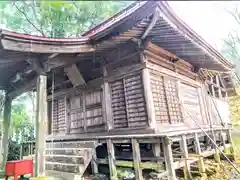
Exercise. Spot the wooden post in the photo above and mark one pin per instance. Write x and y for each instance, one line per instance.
(6, 128)
(198, 150)
(148, 93)
(223, 140)
(108, 105)
(230, 141)
(94, 159)
(169, 158)
(41, 125)
(184, 149)
(148, 98)
(111, 160)
(84, 112)
(137, 159)
(157, 151)
(216, 154)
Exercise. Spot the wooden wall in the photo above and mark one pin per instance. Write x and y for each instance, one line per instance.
(179, 95)
(166, 100)
(78, 113)
(128, 103)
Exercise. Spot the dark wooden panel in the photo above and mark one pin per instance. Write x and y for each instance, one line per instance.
(118, 104)
(159, 99)
(59, 116)
(173, 102)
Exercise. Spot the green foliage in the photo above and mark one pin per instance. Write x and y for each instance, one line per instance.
(57, 18)
(234, 103)
(14, 151)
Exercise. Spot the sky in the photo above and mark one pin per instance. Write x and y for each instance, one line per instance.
(209, 19)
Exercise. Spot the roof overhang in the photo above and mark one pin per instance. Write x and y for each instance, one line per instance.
(27, 43)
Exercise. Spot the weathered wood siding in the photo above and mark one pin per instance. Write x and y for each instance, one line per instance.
(78, 113)
(218, 108)
(191, 105)
(166, 101)
(128, 104)
(59, 116)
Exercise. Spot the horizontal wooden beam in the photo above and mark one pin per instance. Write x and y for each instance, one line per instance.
(170, 73)
(41, 47)
(24, 88)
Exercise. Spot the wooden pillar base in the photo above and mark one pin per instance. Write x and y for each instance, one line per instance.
(169, 158)
(217, 158)
(111, 160)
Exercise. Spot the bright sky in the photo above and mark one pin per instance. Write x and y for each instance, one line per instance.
(209, 19)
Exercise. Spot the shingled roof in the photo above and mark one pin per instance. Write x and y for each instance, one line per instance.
(154, 21)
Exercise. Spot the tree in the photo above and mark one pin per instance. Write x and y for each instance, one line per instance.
(231, 51)
(231, 46)
(57, 18)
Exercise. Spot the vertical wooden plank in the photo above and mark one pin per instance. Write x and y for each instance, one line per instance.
(66, 114)
(167, 149)
(184, 149)
(137, 159)
(201, 104)
(222, 138)
(157, 151)
(84, 112)
(180, 98)
(165, 84)
(201, 165)
(219, 87)
(6, 128)
(108, 105)
(230, 141)
(216, 155)
(41, 125)
(111, 160)
(126, 103)
(148, 98)
(104, 114)
(204, 98)
(94, 159)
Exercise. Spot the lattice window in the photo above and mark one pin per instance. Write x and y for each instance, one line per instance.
(76, 114)
(128, 103)
(173, 101)
(135, 102)
(119, 104)
(159, 99)
(59, 116)
(93, 108)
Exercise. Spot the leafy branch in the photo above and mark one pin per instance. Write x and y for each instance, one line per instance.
(28, 20)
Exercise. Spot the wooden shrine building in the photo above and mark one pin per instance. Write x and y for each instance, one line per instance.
(140, 87)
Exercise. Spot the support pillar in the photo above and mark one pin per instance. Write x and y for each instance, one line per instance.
(41, 125)
(230, 141)
(198, 151)
(94, 164)
(169, 158)
(111, 160)
(136, 159)
(6, 129)
(148, 93)
(184, 149)
(217, 158)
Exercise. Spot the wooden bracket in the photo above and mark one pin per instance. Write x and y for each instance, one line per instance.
(74, 75)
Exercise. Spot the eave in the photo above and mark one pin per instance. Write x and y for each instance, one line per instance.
(37, 44)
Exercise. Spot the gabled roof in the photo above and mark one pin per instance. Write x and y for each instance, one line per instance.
(169, 32)
(152, 20)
